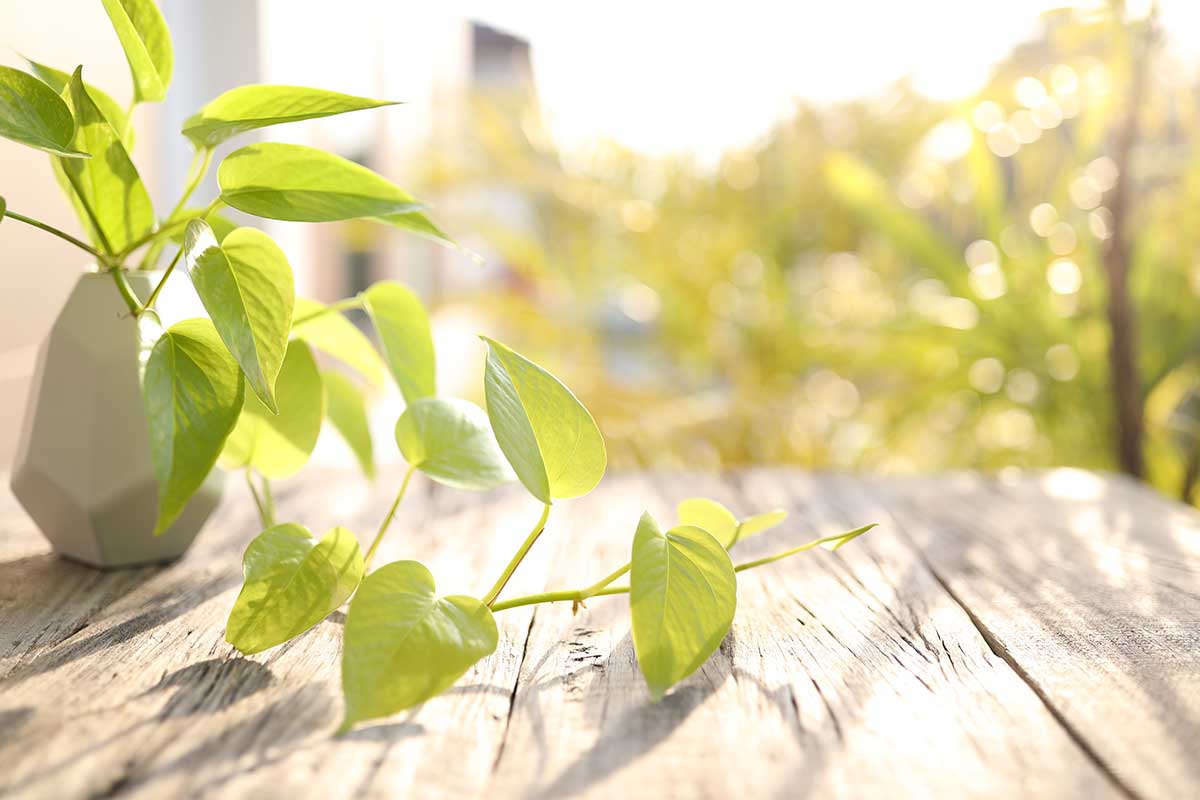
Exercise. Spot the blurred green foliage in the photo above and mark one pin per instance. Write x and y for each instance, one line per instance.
(889, 284)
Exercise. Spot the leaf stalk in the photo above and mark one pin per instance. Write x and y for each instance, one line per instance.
(517, 558)
(387, 521)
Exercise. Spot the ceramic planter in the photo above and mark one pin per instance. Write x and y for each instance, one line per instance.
(83, 468)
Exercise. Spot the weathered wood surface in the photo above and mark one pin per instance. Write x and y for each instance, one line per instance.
(1031, 637)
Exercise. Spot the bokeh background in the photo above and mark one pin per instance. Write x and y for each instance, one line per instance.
(856, 235)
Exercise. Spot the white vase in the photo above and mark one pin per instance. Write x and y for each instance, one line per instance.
(83, 469)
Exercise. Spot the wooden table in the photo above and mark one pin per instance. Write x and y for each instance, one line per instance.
(1030, 636)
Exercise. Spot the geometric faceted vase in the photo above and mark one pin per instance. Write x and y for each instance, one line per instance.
(83, 468)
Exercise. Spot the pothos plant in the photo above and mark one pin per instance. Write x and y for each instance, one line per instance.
(242, 384)
(403, 643)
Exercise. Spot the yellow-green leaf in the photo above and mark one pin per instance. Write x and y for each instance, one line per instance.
(346, 408)
(147, 43)
(278, 445)
(546, 434)
(404, 644)
(451, 441)
(193, 391)
(258, 106)
(682, 598)
(59, 81)
(332, 333)
(721, 522)
(34, 115)
(117, 208)
(407, 340)
(290, 583)
(245, 283)
(304, 184)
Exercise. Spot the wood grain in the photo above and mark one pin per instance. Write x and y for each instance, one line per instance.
(1031, 637)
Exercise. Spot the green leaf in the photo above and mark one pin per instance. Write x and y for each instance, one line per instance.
(249, 107)
(451, 441)
(221, 225)
(759, 523)
(193, 390)
(405, 335)
(416, 222)
(682, 597)
(3, 208)
(303, 184)
(546, 434)
(117, 207)
(404, 644)
(332, 333)
(711, 516)
(245, 284)
(290, 583)
(722, 524)
(278, 445)
(58, 80)
(34, 115)
(346, 408)
(147, 43)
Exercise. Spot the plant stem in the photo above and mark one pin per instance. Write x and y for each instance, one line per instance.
(341, 305)
(491, 596)
(170, 268)
(198, 169)
(387, 521)
(574, 595)
(263, 515)
(103, 259)
(268, 499)
(598, 587)
(131, 299)
(840, 538)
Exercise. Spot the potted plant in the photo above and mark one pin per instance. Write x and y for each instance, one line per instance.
(143, 377)
(159, 401)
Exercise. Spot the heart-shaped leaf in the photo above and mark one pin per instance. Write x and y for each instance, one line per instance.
(347, 410)
(33, 114)
(245, 284)
(407, 340)
(546, 434)
(404, 644)
(221, 225)
(722, 524)
(711, 516)
(147, 43)
(758, 523)
(193, 391)
(290, 583)
(418, 223)
(249, 107)
(278, 445)
(304, 184)
(58, 80)
(332, 333)
(451, 441)
(682, 597)
(116, 205)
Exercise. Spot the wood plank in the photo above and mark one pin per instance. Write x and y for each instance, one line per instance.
(1090, 587)
(148, 700)
(854, 674)
(848, 675)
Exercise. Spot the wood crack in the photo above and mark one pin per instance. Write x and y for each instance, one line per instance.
(1000, 651)
(512, 698)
